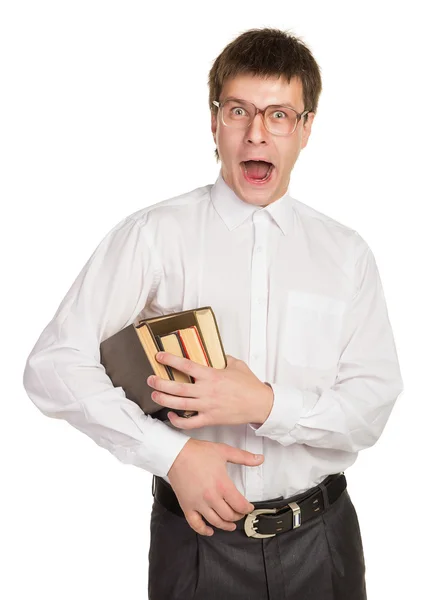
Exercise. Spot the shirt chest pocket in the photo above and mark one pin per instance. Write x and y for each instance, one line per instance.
(313, 327)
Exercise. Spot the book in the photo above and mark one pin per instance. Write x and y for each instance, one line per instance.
(171, 343)
(128, 356)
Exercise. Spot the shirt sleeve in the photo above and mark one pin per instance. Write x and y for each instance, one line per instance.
(351, 414)
(63, 375)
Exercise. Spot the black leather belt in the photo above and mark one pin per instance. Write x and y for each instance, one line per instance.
(270, 517)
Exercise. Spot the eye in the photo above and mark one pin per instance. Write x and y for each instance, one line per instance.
(238, 111)
(279, 112)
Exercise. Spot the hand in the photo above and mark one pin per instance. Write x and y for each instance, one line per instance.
(229, 396)
(200, 481)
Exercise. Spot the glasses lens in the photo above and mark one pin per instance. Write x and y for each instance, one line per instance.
(280, 120)
(237, 113)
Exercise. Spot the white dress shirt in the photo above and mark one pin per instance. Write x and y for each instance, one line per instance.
(296, 295)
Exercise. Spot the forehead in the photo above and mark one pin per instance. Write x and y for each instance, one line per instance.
(264, 91)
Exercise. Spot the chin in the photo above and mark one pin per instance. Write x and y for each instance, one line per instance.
(257, 199)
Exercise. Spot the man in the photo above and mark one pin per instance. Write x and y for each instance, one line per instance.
(312, 370)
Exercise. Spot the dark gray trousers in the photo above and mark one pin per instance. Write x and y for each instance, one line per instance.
(323, 559)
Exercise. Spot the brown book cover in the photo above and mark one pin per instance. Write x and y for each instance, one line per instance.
(128, 356)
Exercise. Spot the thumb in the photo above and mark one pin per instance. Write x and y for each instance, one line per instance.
(242, 457)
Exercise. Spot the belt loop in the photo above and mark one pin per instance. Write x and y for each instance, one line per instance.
(325, 495)
(153, 484)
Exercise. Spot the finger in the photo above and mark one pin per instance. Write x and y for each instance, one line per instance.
(183, 364)
(225, 511)
(238, 502)
(197, 523)
(214, 519)
(175, 401)
(199, 420)
(230, 360)
(174, 388)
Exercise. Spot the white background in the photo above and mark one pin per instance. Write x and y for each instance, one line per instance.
(85, 141)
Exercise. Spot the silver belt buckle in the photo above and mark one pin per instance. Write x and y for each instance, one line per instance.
(251, 520)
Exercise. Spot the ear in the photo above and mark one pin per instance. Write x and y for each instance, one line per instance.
(307, 128)
(214, 124)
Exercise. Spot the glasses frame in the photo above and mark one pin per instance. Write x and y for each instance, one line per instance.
(262, 112)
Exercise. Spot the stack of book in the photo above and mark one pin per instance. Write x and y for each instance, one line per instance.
(128, 356)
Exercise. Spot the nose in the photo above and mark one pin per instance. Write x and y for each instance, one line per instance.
(256, 133)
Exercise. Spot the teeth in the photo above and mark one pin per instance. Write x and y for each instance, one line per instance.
(267, 174)
(257, 160)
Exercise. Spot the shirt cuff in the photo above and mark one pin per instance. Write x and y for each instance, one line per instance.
(158, 450)
(287, 408)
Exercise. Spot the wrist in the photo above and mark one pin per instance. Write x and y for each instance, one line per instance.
(267, 403)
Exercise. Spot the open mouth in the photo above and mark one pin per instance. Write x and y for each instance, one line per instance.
(257, 171)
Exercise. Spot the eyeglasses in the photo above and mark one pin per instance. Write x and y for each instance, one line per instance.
(278, 120)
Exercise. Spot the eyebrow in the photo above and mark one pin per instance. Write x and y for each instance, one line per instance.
(242, 100)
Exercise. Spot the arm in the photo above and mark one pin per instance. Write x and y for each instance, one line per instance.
(351, 414)
(63, 375)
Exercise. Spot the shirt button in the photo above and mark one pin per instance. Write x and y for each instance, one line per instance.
(260, 300)
(259, 248)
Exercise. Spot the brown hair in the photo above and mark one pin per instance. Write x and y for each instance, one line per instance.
(266, 52)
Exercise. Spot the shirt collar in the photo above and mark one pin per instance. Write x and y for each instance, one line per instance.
(234, 211)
